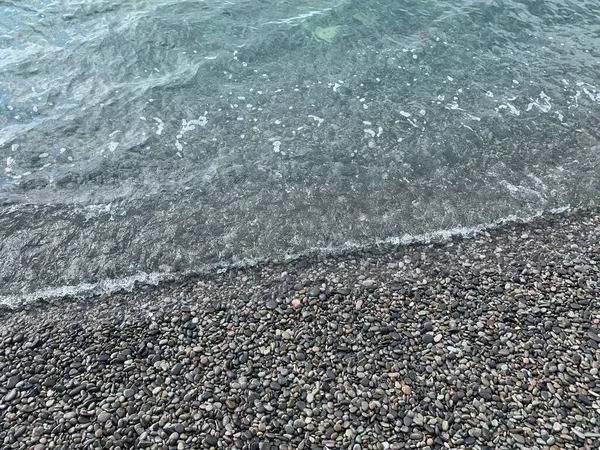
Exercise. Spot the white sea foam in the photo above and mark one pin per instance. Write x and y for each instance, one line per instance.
(153, 278)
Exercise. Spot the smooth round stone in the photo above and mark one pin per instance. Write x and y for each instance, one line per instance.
(12, 381)
(128, 393)
(299, 423)
(518, 438)
(428, 338)
(211, 440)
(104, 417)
(271, 304)
(174, 437)
(176, 369)
(369, 284)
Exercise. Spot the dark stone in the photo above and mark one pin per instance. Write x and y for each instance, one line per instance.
(49, 382)
(176, 369)
(594, 336)
(428, 338)
(314, 292)
(76, 390)
(486, 394)
(211, 441)
(12, 381)
(271, 304)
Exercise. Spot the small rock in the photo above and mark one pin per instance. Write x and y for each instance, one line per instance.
(11, 395)
(271, 304)
(12, 381)
(176, 369)
(519, 438)
(211, 441)
(128, 393)
(104, 417)
(299, 423)
(369, 284)
(593, 336)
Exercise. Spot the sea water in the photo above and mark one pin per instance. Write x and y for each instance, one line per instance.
(145, 138)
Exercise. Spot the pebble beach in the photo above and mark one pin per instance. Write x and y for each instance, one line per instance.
(483, 342)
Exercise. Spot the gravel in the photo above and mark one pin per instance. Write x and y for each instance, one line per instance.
(483, 342)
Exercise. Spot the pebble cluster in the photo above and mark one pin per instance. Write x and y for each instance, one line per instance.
(487, 342)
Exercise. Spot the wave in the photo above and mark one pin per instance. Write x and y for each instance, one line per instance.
(129, 283)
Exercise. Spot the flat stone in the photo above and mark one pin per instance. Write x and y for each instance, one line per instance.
(11, 395)
(176, 369)
(486, 394)
(428, 338)
(211, 440)
(518, 438)
(593, 336)
(104, 417)
(128, 393)
(12, 381)
(299, 423)
(173, 438)
(369, 284)
(271, 304)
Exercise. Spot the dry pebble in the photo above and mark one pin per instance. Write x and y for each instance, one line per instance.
(483, 342)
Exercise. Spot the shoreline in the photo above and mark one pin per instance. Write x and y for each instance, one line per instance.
(86, 292)
(490, 341)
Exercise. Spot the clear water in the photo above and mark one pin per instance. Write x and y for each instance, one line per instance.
(167, 136)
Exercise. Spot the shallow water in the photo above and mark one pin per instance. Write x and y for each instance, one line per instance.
(156, 137)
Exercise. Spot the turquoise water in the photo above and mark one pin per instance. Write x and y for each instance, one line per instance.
(158, 137)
